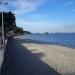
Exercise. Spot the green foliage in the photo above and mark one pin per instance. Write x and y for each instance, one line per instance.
(9, 21)
(19, 30)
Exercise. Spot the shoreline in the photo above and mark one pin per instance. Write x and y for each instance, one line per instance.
(32, 58)
(61, 59)
(50, 43)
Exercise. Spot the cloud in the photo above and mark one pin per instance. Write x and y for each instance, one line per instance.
(73, 10)
(39, 26)
(24, 6)
(69, 3)
(46, 26)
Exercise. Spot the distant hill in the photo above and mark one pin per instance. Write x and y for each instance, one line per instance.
(27, 32)
(46, 33)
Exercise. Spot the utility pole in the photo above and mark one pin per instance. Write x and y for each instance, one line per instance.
(3, 38)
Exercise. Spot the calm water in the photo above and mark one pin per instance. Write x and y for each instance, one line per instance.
(65, 39)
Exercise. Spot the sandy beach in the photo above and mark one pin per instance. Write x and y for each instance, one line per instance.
(18, 60)
(28, 57)
(60, 58)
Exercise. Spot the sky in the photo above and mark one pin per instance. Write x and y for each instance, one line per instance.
(40, 16)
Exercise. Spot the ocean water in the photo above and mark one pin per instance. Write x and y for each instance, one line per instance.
(64, 39)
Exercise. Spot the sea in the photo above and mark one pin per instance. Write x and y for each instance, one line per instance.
(64, 39)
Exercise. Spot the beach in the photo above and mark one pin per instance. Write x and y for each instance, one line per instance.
(60, 58)
(29, 57)
(18, 60)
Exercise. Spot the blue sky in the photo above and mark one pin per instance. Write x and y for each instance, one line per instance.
(39, 16)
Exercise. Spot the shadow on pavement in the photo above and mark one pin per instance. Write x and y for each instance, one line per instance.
(20, 61)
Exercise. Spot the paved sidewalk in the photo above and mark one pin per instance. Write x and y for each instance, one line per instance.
(1, 57)
(20, 61)
(2, 54)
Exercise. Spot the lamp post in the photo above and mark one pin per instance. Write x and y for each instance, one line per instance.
(3, 39)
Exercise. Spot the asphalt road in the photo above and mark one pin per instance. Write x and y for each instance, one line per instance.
(20, 61)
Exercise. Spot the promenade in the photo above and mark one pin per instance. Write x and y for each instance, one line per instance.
(20, 61)
(1, 55)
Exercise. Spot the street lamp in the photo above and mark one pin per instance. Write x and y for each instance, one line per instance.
(3, 39)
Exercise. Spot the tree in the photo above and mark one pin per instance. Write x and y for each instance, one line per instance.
(9, 21)
(19, 30)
